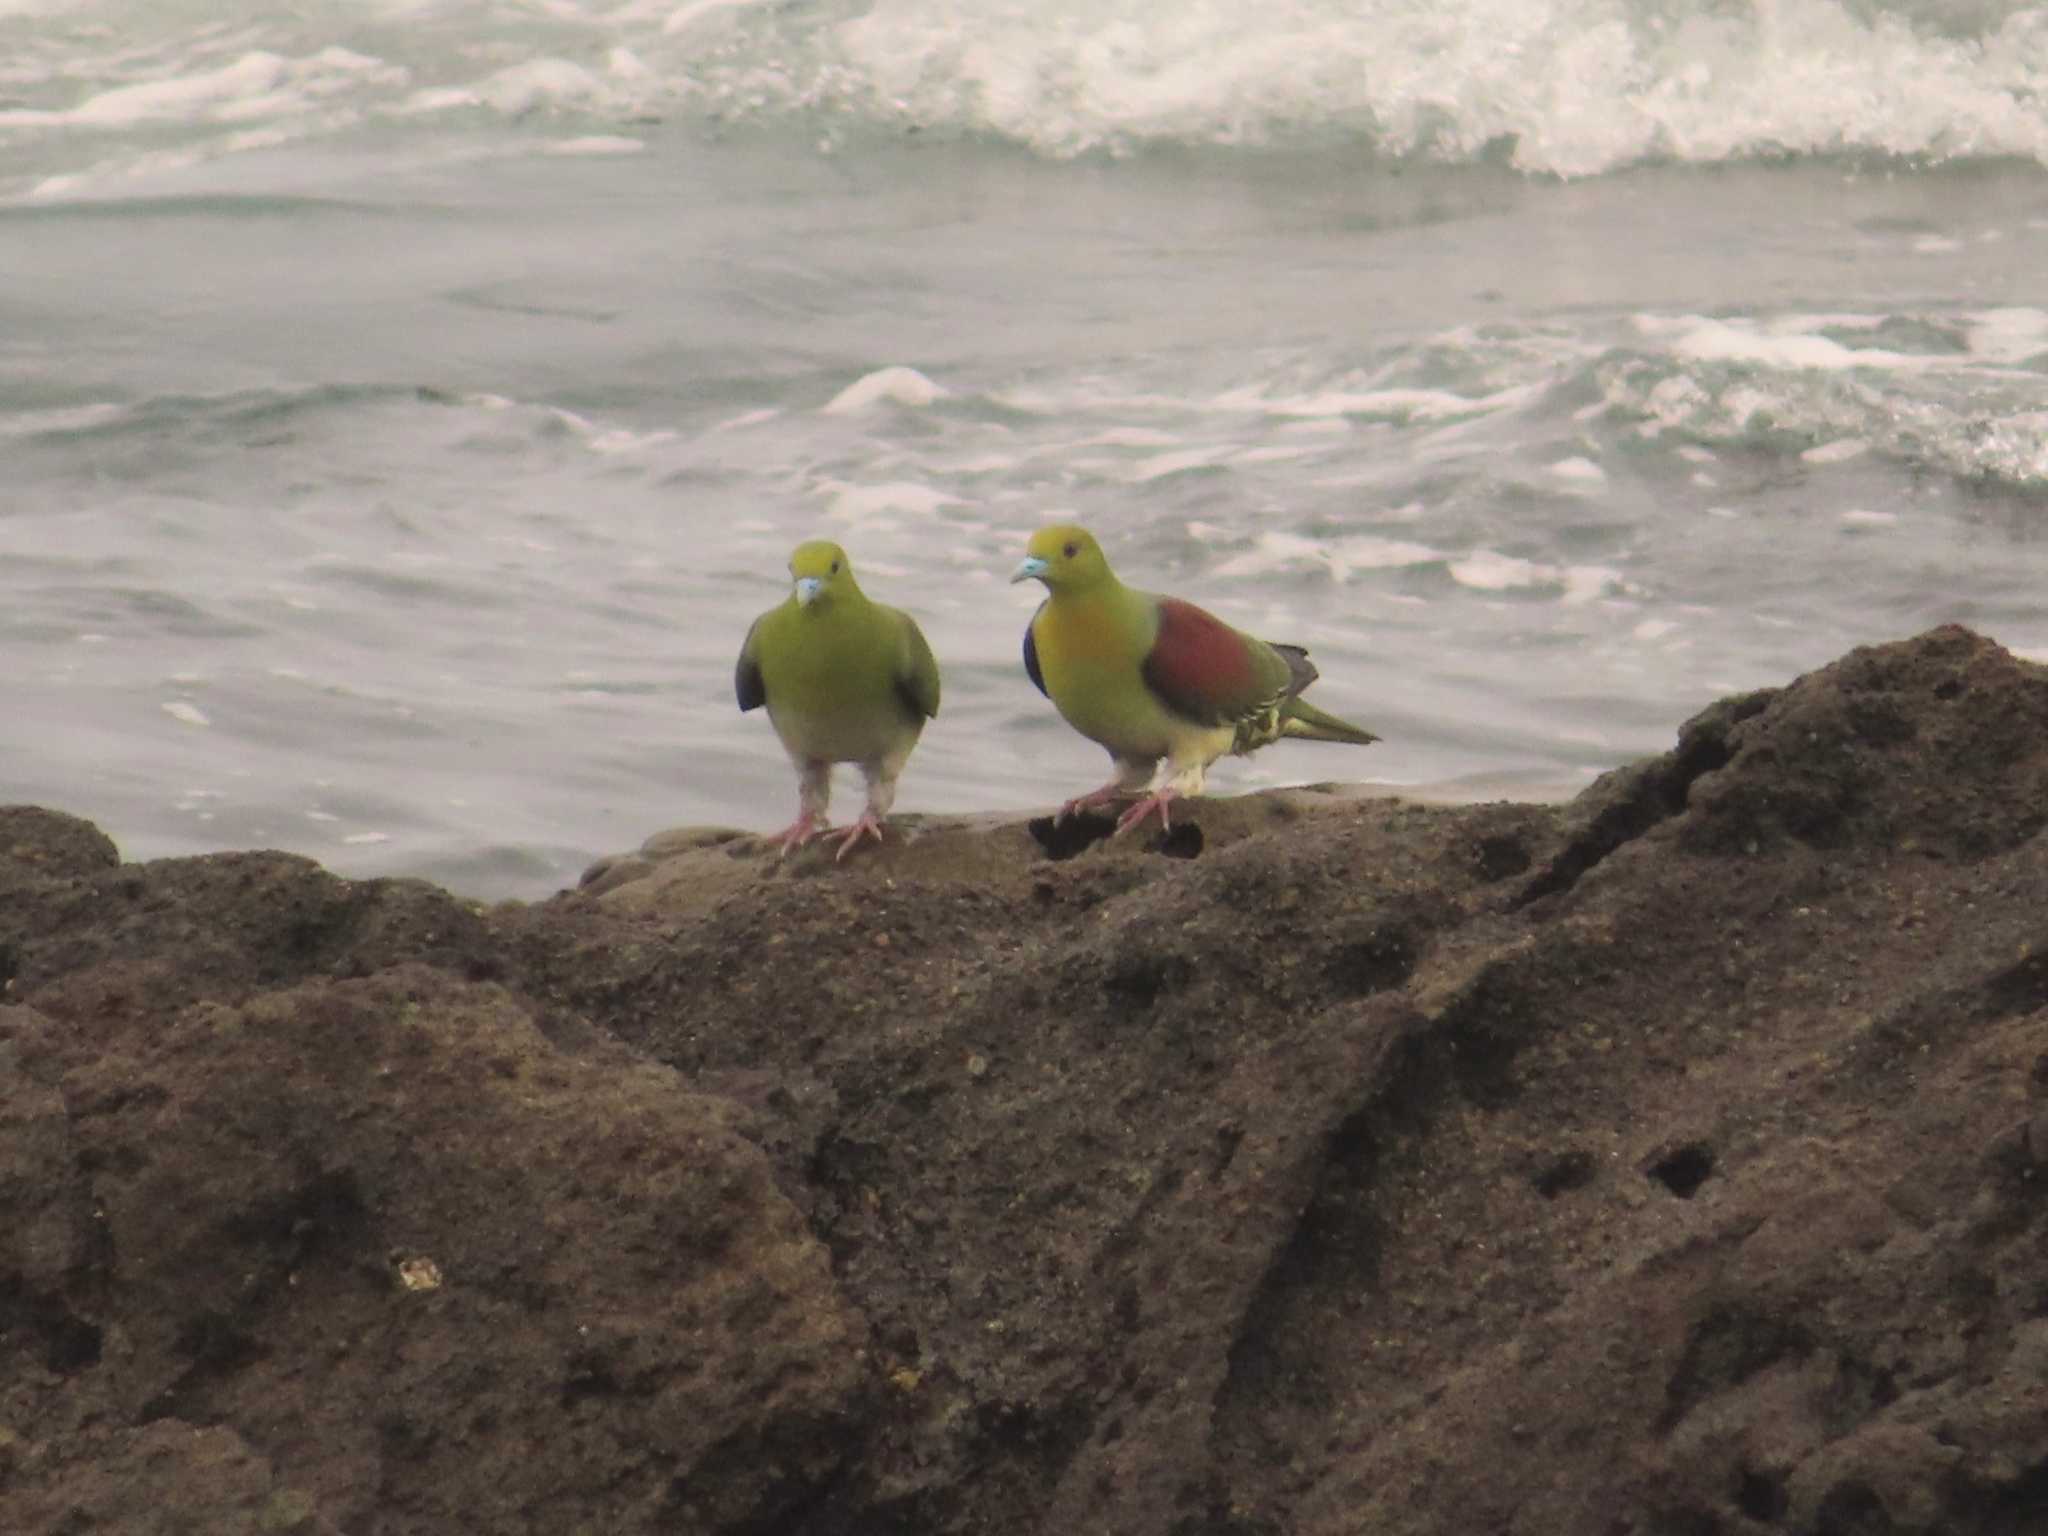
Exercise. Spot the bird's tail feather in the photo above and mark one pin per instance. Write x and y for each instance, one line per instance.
(1302, 719)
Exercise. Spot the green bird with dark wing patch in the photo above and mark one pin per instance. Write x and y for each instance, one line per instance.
(845, 680)
(1153, 678)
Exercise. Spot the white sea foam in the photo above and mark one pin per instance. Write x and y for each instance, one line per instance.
(1574, 88)
(1838, 452)
(1557, 87)
(1742, 340)
(1162, 465)
(1341, 557)
(891, 386)
(1969, 409)
(598, 144)
(1489, 570)
(2008, 335)
(1388, 404)
(521, 88)
(258, 84)
(61, 419)
(1130, 437)
(871, 504)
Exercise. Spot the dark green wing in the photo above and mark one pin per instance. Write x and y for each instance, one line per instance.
(746, 677)
(1031, 653)
(918, 681)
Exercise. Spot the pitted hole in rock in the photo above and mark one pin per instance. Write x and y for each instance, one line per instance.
(1572, 1170)
(1762, 1496)
(1684, 1169)
(1499, 858)
(1182, 841)
(2016, 1508)
(1138, 976)
(1228, 1139)
(1725, 1347)
(1077, 834)
(212, 1339)
(71, 1344)
(1852, 1508)
(1378, 962)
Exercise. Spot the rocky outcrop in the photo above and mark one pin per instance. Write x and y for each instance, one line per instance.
(1669, 1162)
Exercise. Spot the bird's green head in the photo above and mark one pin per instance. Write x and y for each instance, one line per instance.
(1065, 557)
(820, 569)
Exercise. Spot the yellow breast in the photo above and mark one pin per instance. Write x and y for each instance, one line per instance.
(1093, 672)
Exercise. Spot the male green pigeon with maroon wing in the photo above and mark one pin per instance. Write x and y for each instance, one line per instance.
(1153, 678)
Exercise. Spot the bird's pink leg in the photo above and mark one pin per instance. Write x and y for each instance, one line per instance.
(1156, 801)
(1178, 782)
(813, 795)
(881, 774)
(1132, 775)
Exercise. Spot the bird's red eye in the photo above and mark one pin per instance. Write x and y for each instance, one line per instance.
(1070, 551)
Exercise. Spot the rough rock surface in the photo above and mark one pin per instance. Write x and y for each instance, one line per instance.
(1671, 1163)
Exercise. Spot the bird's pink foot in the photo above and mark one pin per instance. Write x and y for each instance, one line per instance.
(799, 832)
(1156, 801)
(867, 826)
(1088, 802)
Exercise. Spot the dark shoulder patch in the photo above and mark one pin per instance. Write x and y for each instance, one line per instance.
(746, 678)
(917, 684)
(1031, 653)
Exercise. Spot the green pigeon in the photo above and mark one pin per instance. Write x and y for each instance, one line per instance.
(1153, 677)
(846, 680)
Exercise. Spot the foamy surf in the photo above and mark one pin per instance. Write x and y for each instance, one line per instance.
(1550, 87)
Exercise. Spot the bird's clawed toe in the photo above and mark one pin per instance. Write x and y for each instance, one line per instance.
(1158, 800)
(799, 832)
(1104, 796)
(867, 826)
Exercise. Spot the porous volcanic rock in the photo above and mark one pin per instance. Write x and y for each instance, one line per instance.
(1669, 1163)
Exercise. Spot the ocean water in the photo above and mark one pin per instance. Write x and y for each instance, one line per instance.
(405, 405)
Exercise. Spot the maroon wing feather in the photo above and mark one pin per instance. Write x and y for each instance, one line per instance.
(1203, 669)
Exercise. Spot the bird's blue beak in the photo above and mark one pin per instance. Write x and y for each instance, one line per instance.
(808, 588)
(1031, 569)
